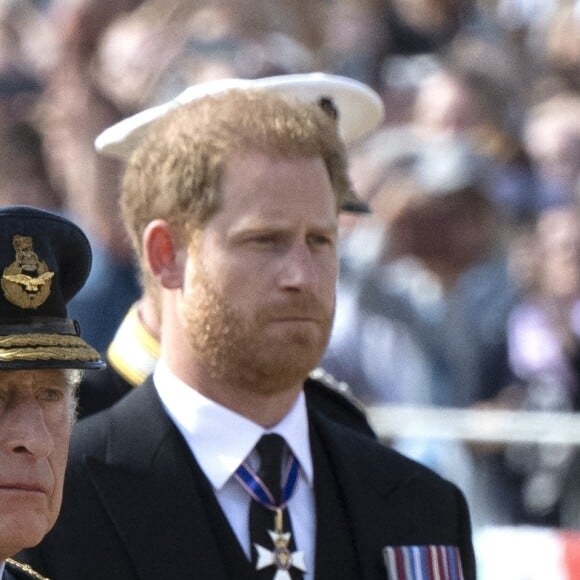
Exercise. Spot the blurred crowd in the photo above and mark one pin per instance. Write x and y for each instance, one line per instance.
(461, 289)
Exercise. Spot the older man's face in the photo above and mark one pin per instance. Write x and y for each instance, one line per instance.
(35, 425)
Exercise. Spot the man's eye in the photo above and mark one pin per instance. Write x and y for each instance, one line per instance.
(266, 240)
(51, 394)
(321, 240)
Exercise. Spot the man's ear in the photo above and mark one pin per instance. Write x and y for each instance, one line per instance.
(161, 252)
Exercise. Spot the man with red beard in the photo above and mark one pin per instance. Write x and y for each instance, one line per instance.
(218, 467)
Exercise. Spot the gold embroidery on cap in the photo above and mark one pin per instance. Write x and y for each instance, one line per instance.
(45, 347)
(26, 282)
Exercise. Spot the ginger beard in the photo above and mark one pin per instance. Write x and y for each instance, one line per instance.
(255, 350)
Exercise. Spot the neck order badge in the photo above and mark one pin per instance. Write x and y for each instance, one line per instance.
(281, 556)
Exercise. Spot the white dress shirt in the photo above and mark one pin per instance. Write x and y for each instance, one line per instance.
(221, 440)
(2, 566)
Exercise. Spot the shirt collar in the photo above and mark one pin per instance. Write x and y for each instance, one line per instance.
(221, 439)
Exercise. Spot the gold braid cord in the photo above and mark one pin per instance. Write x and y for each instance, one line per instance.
(26, 569)
(45, 347)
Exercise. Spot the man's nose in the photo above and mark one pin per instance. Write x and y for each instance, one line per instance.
(23, 429)
(298, 269)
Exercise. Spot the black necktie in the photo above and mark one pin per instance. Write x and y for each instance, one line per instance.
(270, 448)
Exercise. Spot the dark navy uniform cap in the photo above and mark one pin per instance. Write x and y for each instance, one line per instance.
(45, 260)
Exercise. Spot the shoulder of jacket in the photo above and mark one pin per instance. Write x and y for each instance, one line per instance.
(340, 388)
(23, 570)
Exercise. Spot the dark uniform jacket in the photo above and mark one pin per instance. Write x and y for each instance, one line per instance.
(137, 506)
(18, 571)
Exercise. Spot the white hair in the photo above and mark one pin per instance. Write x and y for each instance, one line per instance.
(73, 379)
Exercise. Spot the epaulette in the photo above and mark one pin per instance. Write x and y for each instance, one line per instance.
(134, 351)
(340, 387)
(23, 570)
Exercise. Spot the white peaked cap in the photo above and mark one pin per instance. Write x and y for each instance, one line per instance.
(360, 108)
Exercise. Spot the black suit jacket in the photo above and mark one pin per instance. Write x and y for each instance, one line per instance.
(133, 508)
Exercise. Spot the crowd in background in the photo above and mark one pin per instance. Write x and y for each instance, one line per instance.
(461, 289)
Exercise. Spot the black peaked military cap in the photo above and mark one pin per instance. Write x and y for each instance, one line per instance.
(45, 260)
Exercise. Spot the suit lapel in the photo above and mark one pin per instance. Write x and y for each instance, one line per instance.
(147, 485)
(366, 486)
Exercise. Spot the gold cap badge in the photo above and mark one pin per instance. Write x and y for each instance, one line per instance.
(26, 282)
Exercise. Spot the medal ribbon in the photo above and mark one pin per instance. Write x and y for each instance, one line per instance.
(250, 481)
